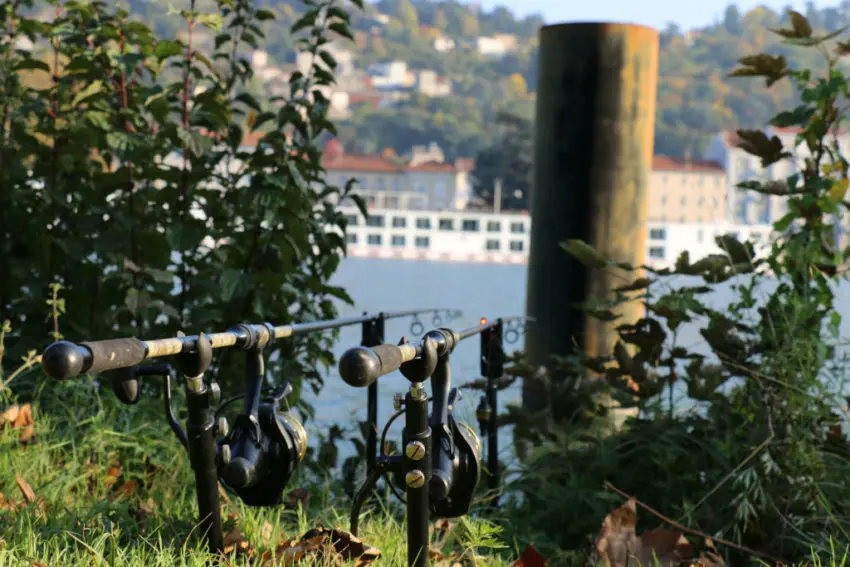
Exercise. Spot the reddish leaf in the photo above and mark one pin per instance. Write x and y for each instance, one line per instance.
(531, 558)
(26, 489)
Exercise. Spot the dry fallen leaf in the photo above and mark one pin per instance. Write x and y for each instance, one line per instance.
(9, 415)
(234, 541)
(6, 503)
(27, 434)
(24, 417)
(531, 558)
(619, 545)
(26, 489)
(331, 547)
(125, 490)
(19, 417)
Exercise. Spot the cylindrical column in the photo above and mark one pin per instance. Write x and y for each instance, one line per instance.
(592, 159)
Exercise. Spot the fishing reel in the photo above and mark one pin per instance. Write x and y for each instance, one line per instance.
(451, 462)
(455, 463)
(258, 456)
(254, 459)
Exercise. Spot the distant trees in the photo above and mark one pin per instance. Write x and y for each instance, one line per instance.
(508, 159)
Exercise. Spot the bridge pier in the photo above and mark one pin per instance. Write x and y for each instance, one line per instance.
(593, 150)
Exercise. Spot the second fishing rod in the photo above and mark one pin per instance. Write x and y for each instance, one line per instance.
(441, 463)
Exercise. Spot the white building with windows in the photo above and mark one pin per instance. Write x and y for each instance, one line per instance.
(666, 241)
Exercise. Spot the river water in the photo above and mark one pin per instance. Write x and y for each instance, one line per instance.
(479, 290)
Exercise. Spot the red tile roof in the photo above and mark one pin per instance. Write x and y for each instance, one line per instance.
(360, 162)
(664, 163)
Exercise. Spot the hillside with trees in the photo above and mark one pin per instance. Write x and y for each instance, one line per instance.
(696, 98)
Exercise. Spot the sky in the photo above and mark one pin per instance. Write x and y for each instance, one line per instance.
(687, 14)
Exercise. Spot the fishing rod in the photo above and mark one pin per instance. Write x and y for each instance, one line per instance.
(64, 359)
(441, 463)
(253, 460)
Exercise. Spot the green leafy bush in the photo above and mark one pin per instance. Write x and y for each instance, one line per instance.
(754, 452)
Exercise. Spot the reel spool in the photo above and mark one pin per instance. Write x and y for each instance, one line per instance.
(260, 454)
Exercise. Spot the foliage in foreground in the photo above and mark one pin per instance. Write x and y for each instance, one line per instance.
(139, 174)
(742, 439)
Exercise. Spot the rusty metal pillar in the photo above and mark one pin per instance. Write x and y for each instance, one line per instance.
(592, 159)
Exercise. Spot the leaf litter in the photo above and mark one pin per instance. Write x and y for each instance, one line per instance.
(618, 544)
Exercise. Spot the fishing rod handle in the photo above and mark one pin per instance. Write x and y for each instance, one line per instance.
(361, 366)
(64, 359)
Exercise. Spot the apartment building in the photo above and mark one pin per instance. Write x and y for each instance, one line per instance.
(686, 191)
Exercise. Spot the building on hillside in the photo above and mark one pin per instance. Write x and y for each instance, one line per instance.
(443, 44)
(686, 191)
(497, 46)
(387, 181)
(431, 84)
(390, 74)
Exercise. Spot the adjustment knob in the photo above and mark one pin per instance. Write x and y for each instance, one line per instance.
(415, 451)
(414, 479)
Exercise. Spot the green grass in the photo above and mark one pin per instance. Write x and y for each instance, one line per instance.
(87, 445)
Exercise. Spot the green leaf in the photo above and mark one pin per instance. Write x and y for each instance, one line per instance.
(249, 100)
(337, 12)
(229, 282)
(221, 39)
(94, 88)
(738, 252)
(340, 293)
(342, 29)
(167, 48)
(211, 21)
(304, 22)
(585, 254)
(796, 117)
(361, 204)
(30, 64)
(329, 59)
(263, 15)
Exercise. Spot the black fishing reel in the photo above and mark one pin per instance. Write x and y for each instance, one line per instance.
(258, 456)
(254, 459)
(456, 459)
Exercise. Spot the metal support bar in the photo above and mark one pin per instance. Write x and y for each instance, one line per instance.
(417, 476)
(202, 446)
(495, 367)
(373, 335)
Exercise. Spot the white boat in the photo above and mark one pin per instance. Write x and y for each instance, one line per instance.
(504, 238)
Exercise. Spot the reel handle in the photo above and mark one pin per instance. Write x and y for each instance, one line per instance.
(64, 359)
